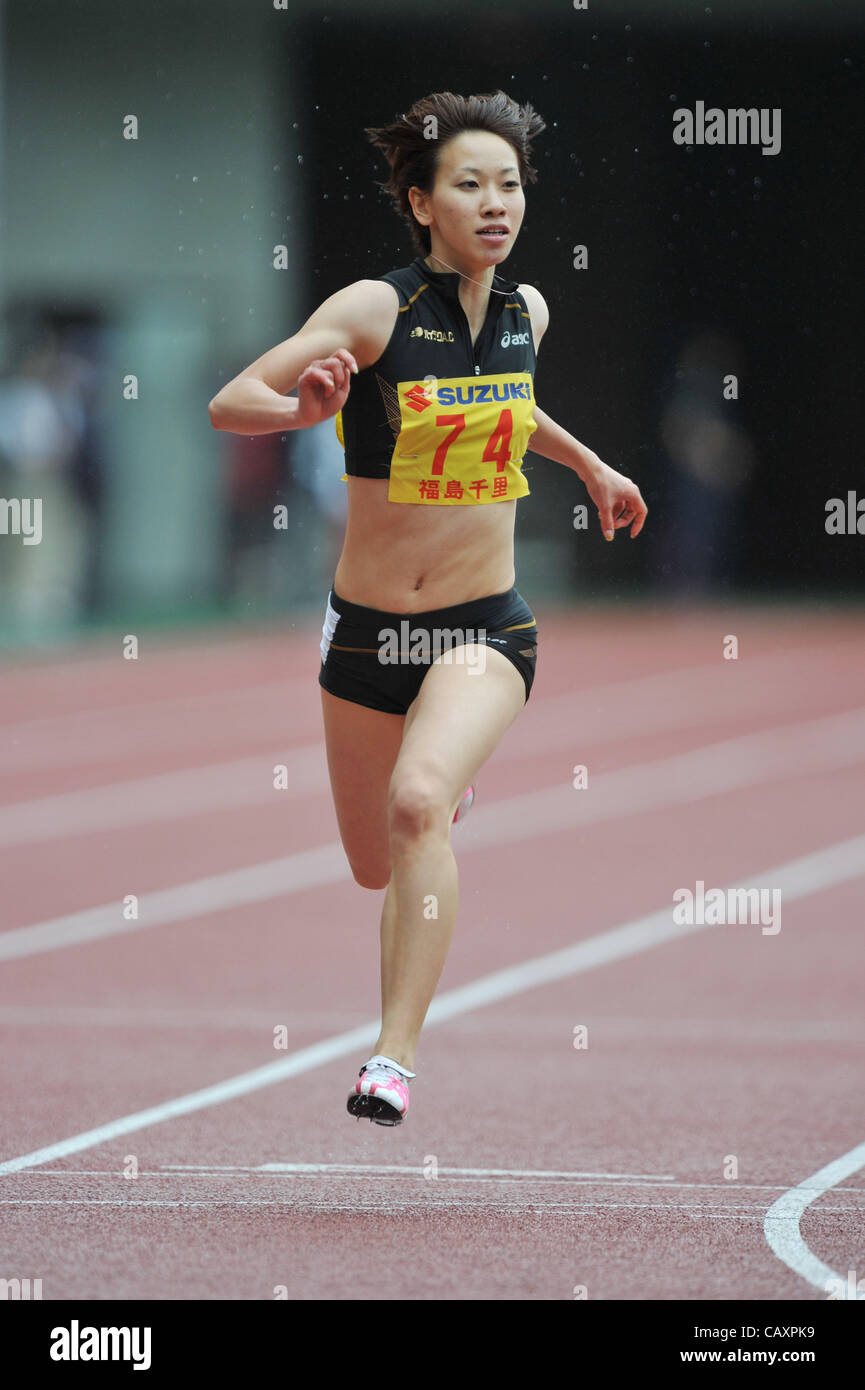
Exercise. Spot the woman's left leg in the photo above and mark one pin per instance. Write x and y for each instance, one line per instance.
(452, 727)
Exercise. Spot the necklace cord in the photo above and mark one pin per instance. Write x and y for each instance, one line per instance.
(491, 288)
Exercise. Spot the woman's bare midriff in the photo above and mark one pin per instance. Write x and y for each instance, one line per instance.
(405, 557)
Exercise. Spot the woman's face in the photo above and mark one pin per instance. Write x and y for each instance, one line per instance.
(477, 184)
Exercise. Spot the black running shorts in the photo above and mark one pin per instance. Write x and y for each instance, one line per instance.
(379, 659)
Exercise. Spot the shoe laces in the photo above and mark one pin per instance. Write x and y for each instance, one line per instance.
(387, 1064)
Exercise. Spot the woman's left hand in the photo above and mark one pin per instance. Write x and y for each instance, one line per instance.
(617, 499)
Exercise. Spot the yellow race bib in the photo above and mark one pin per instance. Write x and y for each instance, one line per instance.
(462, 439)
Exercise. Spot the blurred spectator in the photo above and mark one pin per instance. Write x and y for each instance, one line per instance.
(256, 469)
(711, 459)
(318, 463)
(47, 451)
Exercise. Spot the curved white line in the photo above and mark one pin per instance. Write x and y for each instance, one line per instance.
(781, 1226)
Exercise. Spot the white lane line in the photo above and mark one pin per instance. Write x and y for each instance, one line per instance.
(304, 1022)
(80, 668)
(309, 868)
(645, 705)
(796, 879)
(792, 751)
(167, 796)
(227, 1171)
(781, 1224)
(715, 769)
(553, 1178)
(672, 699)
(537, 1206)
(317, 1055)
(454, 1172)
(94, 735)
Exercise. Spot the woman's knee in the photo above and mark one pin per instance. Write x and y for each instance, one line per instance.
(418, 802)
(370, 875)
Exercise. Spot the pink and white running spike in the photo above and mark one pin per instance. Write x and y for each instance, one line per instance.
(462, 810)
(381, 1092)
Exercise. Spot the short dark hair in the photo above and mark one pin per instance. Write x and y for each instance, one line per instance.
(413, 154)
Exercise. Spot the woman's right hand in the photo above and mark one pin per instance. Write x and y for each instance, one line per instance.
(322, 388)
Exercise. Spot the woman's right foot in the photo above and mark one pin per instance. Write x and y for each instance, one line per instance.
(381, 1092)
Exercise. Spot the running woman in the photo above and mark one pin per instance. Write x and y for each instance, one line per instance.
(428, 650)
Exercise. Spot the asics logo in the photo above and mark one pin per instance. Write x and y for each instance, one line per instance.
(514, 339)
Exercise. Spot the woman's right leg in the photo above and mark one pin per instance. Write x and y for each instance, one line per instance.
(362, 748)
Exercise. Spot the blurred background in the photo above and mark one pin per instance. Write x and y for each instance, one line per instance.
(140, 274)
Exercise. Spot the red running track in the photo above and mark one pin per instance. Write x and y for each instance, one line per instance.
(722, 1063)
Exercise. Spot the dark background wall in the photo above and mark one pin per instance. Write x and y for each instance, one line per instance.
(763, 248)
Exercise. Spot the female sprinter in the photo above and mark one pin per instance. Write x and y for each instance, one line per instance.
(428, 650)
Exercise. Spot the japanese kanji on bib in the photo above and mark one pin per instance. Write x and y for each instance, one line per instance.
(446, 422)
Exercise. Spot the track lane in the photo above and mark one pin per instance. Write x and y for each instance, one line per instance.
(774, 1036)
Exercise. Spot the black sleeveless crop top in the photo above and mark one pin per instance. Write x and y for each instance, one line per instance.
(446, 422)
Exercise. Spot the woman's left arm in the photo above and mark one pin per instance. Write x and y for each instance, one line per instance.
(617, 499)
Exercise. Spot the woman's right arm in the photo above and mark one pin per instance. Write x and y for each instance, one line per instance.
(348, 332)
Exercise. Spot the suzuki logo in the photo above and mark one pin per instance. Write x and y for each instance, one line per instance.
(417, 398)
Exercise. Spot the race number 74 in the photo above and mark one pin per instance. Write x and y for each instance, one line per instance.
(496, 450)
